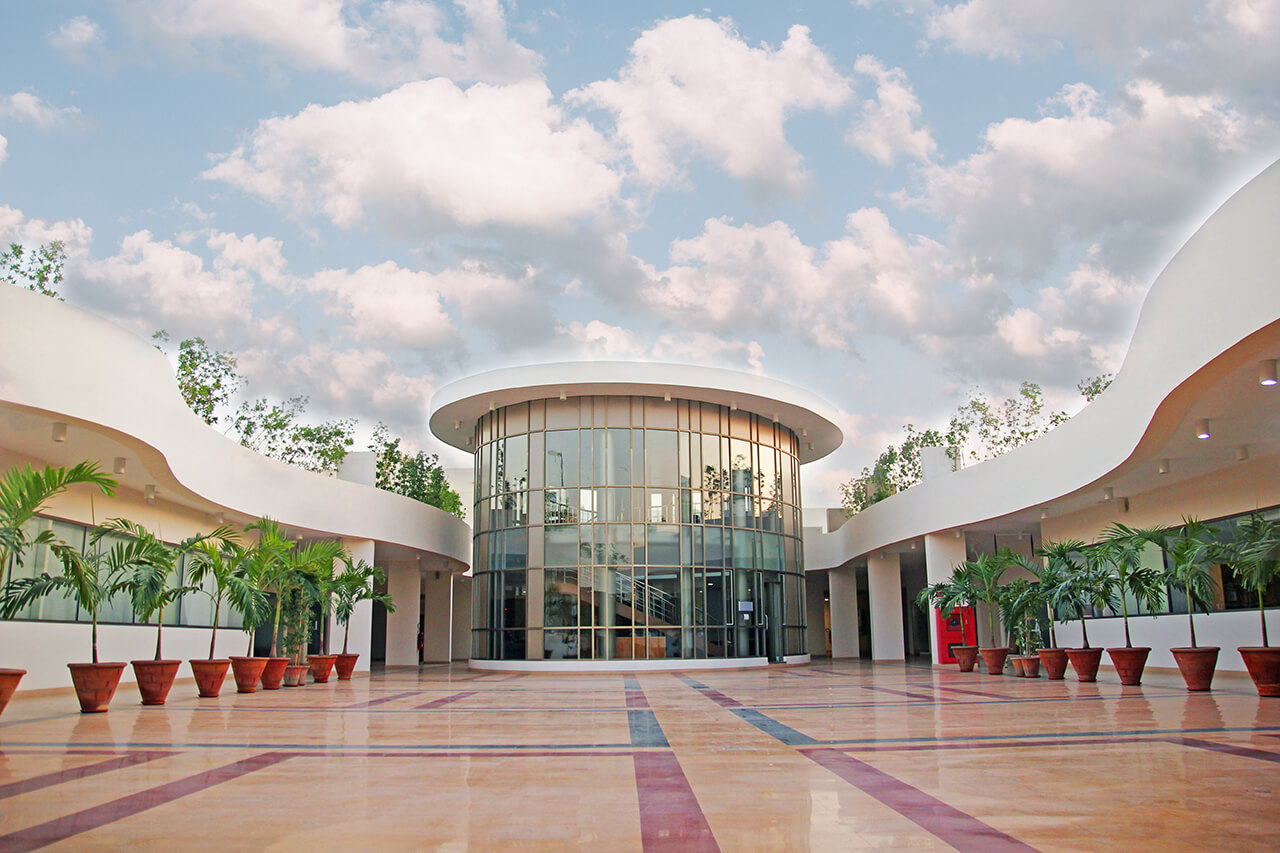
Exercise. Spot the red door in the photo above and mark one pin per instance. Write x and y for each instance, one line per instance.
(955, 630)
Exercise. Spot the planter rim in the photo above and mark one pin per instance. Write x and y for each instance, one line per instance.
(11, 671)
(209, 660)
(1196, 649)
(120, 664)
(1258, 649)
(153, 660)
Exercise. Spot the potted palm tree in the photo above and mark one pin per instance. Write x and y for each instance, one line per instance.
(355, 584)
(956, 593)
(90, 580)
(260, 570)
(985, 574)
(212, 568)
(1191, 550)
(318, 558)
(1254, 555)
(24, 491)
(1052, 574)
(1088, 586)
(1020, 603)
(1124, 546)
(150, 591)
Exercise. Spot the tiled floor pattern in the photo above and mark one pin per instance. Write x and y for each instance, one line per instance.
(832, 756)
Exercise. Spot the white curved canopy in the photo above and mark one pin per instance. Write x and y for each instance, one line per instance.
(456, 407)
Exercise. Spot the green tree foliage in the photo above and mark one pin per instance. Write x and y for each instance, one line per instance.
(1093, 386)
(276, 430)
(977, 430)
(209, 383)
(207, 378)
(416, 476)
(39, 269)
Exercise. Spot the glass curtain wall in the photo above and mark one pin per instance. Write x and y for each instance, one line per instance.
(635, 528)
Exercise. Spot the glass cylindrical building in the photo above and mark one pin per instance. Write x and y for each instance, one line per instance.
(635, 512)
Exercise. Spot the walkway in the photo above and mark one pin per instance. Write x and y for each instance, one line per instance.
(832, 756)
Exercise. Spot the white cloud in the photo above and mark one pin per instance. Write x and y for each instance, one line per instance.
(397, 307)
(887, 126)
(77, 37)
(4, 149)
(152, 284)
(1222, 47)
(385, 43)
(430, 154)
(25, 106)
(765, 277)
(597, 339)
(15, 227)
(1116, 172)
(693, 87)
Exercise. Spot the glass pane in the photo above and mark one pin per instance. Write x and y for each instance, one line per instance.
(517, 464)
(663, 507)
(560, 545)
(562, 458)
(664, 545)
(560, 645)
(514, 593)
(619, 505)
(661, 458)
(618, 453)
(562, 598)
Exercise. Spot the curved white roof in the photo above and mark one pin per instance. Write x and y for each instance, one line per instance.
(456, 407)
(1209, 316)
(120, 398)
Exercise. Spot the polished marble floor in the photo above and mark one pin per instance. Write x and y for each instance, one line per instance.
(831, 756)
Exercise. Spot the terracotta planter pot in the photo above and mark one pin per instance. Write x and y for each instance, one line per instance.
(1054, 662)
(95, 684)
(209, 676)
(1263, 663)
(155, 678)
(9, 679)
(994, 659)
(1197, 666)
(1031, 666)
(248, 671)
(1129, 664)
(345, 664)
(295, 674)
(966, 657)
(273, 673)
(321, 666)
(1016, 662)
(1085, 663)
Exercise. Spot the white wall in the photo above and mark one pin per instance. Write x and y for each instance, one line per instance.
(844, 612)
(437, 616)
(1227, 630)
(404, 584)
(461, 647)
(45, 648)
(884, 585)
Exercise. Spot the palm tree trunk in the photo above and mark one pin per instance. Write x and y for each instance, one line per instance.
(1261, 612)
(1084, 631)
(159, 627)
(346, 631)
(95, 636)
(1053, 634)
(217, 605)
(1190, 618)
(250, 652)
(1124, 611)
(275, 626)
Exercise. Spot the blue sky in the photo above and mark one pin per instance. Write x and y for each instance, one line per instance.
(888, 203)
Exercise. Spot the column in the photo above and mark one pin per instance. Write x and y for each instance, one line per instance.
(461, 647)
(404, 583)
(942, 553)
(360, 626)
(844, 612)
(815, 588)
(436, 616)
(884, 585)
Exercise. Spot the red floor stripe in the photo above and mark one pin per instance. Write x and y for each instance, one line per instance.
(962, 831)
(670, 817)
(436, 703)
(89, 819)
(58, 777)
(384, 699)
